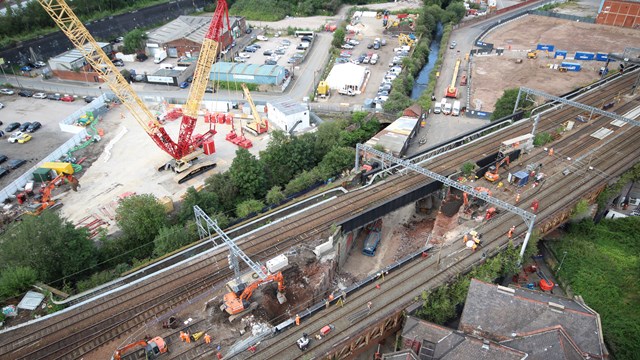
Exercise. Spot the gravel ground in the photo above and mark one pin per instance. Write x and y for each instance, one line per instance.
(488, 81)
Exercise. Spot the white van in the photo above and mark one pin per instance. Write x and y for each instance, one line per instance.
(610, 214)
(446, 107)
(437, 108)
(456, 108)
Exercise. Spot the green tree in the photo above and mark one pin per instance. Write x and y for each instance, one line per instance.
(327, 136)
(457, 11)
(247, 174)
(302, 181)
(172, 238)
(249, 206)
(506, 103)
(338, 159)
(287, 156)
(224, 189)
(56, 248)
(16, 280)
(338, 38)
(206, 200)
(134, 41)
(275, 195)
(140, 217)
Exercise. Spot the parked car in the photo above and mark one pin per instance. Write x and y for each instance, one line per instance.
(34, 126)
(6, 92)
(267, 53)
(341, 60)
(118, 62)
(1, 106)
(369, 46)
(310, 39)
(209, 90)
(12, 126)
(250, 49)
(68, 98)
(383, 93)
(3, 158)
(24, 126)
(40, 64)
(141, 57)
(292, 60)
(270, 62)
(25, 93)
(244, 55)
(249, 30)
(345, 53)
(39, 95)
(239, 59)
(120, 39)
(262, 38)
(383, 42)
(56, 97)
(19, 137)
(89, 99)
(347, 46)
(385, 87)
(453, 45)
(26, 68)
(285, 42)
(3, 171)
(279, 52)
(184, 85)
(16, 163)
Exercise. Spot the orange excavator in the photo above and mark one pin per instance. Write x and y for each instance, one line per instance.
(465, 196)
(492, 174)
(235, 303)
(152, 348)
(46, 201)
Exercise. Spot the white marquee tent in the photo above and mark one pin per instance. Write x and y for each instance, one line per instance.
(347, 76)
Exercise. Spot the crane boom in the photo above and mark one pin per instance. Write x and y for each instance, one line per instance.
(452, 91)
(206, 58)
(84, 42)
(258, 126)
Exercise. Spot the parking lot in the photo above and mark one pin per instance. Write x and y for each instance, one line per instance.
(370, 29)
(44, 140)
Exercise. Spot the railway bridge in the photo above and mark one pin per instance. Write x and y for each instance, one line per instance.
(595, 162)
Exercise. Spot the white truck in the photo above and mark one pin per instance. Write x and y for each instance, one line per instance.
(374, 59)
(455, 111)
(160, 56)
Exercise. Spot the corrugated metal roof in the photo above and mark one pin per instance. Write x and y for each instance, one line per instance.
(74, 54)
(185, 27)
(246, 69)
(289, 107)
(394, 137)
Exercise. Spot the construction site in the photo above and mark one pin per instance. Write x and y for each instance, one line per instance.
(488, 80)
(334, 277)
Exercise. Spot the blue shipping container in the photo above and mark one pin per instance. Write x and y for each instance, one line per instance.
(543, 47)
(521, 178)
(571, 66)
(602, 57)
(560, 54)
(584, 55)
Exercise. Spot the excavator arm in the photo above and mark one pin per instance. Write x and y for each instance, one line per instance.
(78, 34)
(248, 292)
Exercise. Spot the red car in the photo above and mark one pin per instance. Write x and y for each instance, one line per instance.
(67, 98)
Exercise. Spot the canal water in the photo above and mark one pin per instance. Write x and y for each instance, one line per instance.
(423, 76)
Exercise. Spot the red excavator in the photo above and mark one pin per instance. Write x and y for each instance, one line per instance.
(152, 348)
(46, 201)
(492, 174)
(236, 303)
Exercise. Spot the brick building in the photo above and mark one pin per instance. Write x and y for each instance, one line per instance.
(183, 36)
(625, 13)
(71, 65)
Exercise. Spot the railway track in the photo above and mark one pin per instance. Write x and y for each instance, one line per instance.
(80, 330)
(401, 287)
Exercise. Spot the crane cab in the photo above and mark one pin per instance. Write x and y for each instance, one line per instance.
(156, 347)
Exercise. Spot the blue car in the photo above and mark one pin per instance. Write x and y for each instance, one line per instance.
(26, 68)
(184, 85)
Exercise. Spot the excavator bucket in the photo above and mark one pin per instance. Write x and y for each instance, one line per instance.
(281, 297)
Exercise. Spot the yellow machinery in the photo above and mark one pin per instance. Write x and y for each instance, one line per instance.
(532, 54)
(452, 90)
(259, 125)
(186, 148)
(404, 39)
(323, 89)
